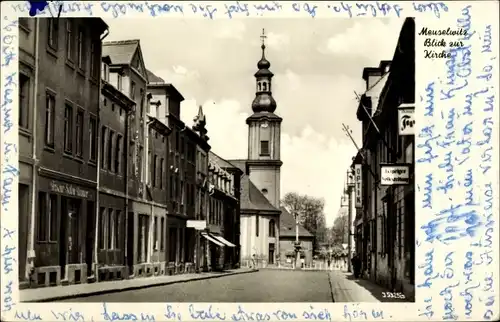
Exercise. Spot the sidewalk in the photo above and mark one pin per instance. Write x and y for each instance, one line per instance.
(346, 288)
(51, 294)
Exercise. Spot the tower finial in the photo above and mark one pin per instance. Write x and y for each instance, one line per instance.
(263, 37)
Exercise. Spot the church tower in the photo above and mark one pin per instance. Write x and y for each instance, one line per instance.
(264, 134)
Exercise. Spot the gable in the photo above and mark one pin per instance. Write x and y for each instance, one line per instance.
(138, 63)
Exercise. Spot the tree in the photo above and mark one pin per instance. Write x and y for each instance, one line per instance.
(310, 212)
(340, 229)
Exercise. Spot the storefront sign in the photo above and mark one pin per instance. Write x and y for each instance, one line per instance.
(358, 197)
(394, 174)
(406, 117)
(68, 189)
(196, 224)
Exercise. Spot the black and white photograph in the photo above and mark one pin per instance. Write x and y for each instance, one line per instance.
(190, 160)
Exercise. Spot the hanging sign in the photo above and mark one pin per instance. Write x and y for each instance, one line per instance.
(406, 119)
(394, 174)
(358, 197)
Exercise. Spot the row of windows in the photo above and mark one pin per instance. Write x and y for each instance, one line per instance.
(73, 127)
(111, 150)
(216, 209)
(157, 175)
(182, 146)
(184, 192)
(75, 44)
(110, 231)
(271, 229)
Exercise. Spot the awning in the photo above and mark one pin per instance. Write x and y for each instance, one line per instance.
(213, 240)
(223, 240)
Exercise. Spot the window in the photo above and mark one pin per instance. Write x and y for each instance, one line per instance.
(119, 82)
(105, 72)
(23, 101)
(102, 227)
(132, 90)
(79, 133)
(93, 138)
(50, 103)
(118, 154)
(140, 173)
(104, 134)
(149, 160)
(257, 225)
(93, 65)
(52, 33)
(68, 128)
(272, 228)
(161, 173)
(155, 233)
(111, 229)
(155, 164)
(25, 23)
(162, 234)
(111, 136)
(43, 217)
(80, 48)
(117, 230)
(264, 147)
(69, 39)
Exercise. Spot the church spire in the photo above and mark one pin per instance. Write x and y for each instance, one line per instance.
(264, 101)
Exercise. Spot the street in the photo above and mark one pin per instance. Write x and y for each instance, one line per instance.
(262, 286)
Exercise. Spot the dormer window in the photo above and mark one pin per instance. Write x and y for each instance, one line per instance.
(105, 72)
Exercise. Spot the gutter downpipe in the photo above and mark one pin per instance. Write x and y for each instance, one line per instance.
(97, 203)
(148, 179)
(31, 252)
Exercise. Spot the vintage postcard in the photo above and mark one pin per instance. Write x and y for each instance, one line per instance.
(249, 161)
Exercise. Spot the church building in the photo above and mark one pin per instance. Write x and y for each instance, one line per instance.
(260, 183)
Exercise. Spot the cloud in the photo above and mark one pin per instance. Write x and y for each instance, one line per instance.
(292, 79)
(363, 38)
(275, 40)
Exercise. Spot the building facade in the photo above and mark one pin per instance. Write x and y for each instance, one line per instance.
(260, 201)
(288, 238)
(388, 211)
(112, 128)
(65, 110)
(28, 45)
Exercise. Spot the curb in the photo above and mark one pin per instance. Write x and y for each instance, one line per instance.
(131, 288)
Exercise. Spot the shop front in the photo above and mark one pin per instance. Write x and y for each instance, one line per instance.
(66, 214)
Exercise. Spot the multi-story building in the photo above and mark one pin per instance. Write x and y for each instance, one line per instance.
(63, 131)
(388, 211)
(260, 199)
(28, 46)
(113, 124)
(128, 74)
(181, 175)
(222, 206)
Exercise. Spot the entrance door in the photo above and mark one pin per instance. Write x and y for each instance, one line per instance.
(271, 254)
(23, 226)
(74, 247)
(90, 236)
(213, 256)
(130, 241)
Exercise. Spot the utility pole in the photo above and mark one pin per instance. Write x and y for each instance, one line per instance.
(348, 190)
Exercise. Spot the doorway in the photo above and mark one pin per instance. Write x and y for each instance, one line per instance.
(69, 246)
(271, 254)
(24, 213)
(90, 233)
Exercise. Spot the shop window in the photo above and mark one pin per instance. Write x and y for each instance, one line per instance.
(155, 233)
(118, 231)
(103, 218)
(172, 244)
(162, 234)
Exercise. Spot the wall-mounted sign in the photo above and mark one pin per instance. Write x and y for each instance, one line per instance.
(196, 224)
(406, 119)
(358, 178)
(391, 174)
(68, 189)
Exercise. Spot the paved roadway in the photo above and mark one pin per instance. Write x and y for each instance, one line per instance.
(261, 286)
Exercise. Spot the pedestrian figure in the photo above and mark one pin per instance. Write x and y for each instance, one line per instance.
(253, 261)
(356, 265)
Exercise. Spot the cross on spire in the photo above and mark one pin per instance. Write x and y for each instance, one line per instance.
(263, 37)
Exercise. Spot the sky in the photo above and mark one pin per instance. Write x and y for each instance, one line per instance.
(317, 63)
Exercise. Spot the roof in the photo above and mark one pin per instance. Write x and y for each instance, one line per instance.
(252, 199)
(287, 226)
(153, 78)
(222, 162)
(121, 52)
(241, 164)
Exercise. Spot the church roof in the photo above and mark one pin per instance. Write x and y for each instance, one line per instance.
(252, 199)
(121, 52)
(287, 225)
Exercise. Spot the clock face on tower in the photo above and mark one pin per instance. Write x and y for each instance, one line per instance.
(264, 125)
